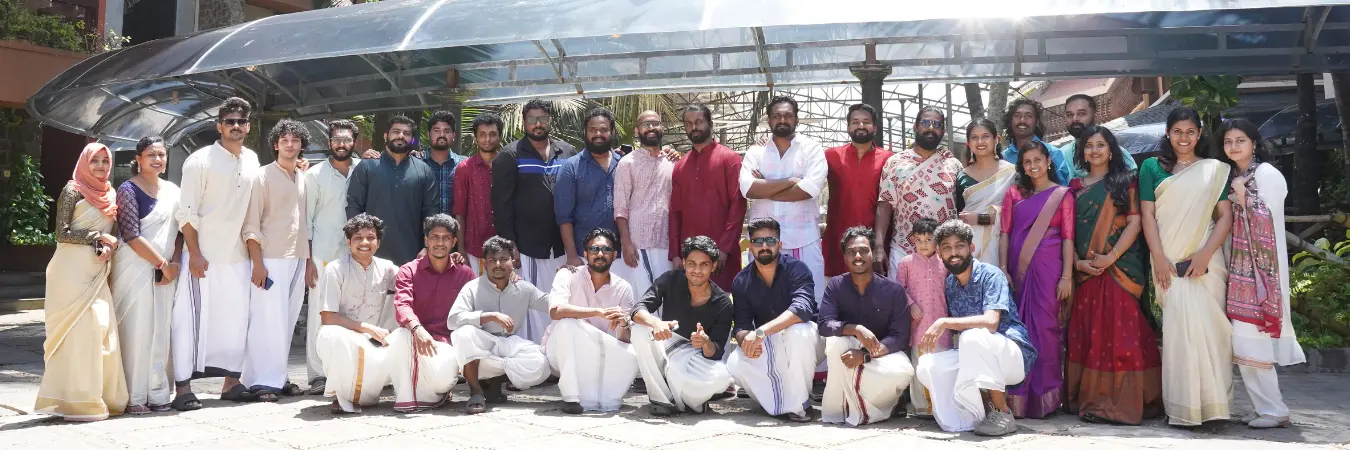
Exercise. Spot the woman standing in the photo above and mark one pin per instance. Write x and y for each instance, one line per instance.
(980, 188)
(1034, 250)
(1114, 370)
(1187, 216)
(143, 277)
(83, 379)
(1258, 278)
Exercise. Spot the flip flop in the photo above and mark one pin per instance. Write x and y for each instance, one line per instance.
(291, 389)
(160, 408)
(477, 404)
(336, 409)
(186, 402)
(267, 397)
(137, 410)
(317, 386)
(238, 393)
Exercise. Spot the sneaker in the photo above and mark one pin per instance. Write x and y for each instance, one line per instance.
(1267, 421)
(996, 423)
(572, 408)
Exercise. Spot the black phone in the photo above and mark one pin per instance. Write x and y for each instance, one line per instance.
(99, 248)
(267, 283)
(1182, 266)
(159, 276)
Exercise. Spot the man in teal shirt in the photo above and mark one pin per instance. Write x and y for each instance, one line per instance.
(1082, 112)
(1023, 123)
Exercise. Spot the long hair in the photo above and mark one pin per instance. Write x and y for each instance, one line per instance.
(988, 125)
(1024, 181)
(1118, 176)
(1166, 154)
(1038, 110)
(1260, 149)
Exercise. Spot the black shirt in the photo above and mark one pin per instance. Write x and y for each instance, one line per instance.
(401, 194)
(522, 197)
(671, 291)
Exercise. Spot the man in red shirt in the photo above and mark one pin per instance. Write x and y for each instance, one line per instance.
(705, 198)
(473, 190)
(855, 174)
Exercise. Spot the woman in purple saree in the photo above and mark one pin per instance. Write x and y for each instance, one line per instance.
(1036, 240)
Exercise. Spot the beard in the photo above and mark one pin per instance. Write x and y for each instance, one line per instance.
(341, 156)
(437, 145)
(765, 257)
(396, 147)
(1076, 129)
(861, 136)
(651, 138)
(958, 268)
(599, 148)
(784, 131)
(698, 136)
(928, 140)
(538, 136)
(600, 266)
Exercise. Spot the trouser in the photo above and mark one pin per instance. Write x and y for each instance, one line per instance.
(864, 394)
(780, 378)
(522, 361)
(209, 316)
(981, 361)
(357, 369)
(540, 273)
(651, 263)
(421, 382)
(919, 402)
(272, 314)
(1254, 354)
(594, 368)
(676, 373)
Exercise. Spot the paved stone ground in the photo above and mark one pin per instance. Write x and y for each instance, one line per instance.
(1321, 404)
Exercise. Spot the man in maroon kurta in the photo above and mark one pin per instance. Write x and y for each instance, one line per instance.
(854, 177)
(705, 197)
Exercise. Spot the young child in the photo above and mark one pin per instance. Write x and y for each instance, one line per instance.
(924, 278)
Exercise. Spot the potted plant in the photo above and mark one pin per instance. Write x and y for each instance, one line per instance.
(26, 241)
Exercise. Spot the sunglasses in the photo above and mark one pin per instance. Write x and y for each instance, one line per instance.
(930, 123)
(600, 249)
(234, 122)
(540, 120)
(764, 240)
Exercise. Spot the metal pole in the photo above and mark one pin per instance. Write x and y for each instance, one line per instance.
(870, 76)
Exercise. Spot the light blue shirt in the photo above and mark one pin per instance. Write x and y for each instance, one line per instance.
(1056, 158)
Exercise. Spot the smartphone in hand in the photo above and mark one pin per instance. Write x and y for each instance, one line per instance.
(267, 283)
(1182, 267)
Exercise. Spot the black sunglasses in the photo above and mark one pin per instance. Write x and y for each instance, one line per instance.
(234, 122)
(600, 249)
(769, 240)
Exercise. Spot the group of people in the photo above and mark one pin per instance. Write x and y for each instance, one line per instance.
(532, 260)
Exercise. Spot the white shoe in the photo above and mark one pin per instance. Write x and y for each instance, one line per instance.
(1267, 421)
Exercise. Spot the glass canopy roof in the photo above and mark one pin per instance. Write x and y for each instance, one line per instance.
(413, 54)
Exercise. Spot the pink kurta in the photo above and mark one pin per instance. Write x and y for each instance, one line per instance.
(924, 280)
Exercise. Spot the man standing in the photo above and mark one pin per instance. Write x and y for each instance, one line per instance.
(326, 203)
(487, 340)
(992, 352)
(775, 304)
(588, 343)
(584, 197)
(705, 198)
(398, 189)
(210, 311)
(424, 292)
(680, 353)
(355, 297)
(441, 135)
(1023, 122)
(642, 206)
(854, 180)
(1081, 110)
(277, 236)
(783, 181)
(473, 189)
(523, 177)
(915, 183)
(865, 321)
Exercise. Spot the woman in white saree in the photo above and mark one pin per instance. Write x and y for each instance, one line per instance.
(1187, 217)
(143, 301)
(980, 187)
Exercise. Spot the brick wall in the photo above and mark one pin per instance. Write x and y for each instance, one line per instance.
(1118, 101)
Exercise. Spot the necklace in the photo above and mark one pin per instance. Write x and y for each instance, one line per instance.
(1180, 165)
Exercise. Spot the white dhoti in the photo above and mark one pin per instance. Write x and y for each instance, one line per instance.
(651, 263)
(143, 310)
(522, 361)
(594, 368)
(676, 373)
(313, 321)
(812, 255)
(780, 378)
(920, 402)
(358, 370)
(864, 394)
(981, 361)
(209, 316)
(272, 314)
(538, 272)
(420, 382)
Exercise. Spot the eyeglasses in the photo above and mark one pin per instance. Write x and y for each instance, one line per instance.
(538, 120)
(234, 122)
(650, 124)
(341, 140)
(770, 240)
(930, 123)
(600, 249)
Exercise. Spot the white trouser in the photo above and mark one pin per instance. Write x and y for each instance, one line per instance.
(209, 316)
(676, 373)
(780, 378)
(981, 361)
(651, 263)
(522, 361)
(272, 314)
(1255, 353)
(893, 259)
(420, 382)
(538, 272)
(594, 368)
(815, 260)
(864, 394)
(358, 370)
(313, 321)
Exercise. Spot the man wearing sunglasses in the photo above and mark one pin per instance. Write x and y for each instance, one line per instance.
(776, 358)
(211, 307)
(915, 183)
(1023, 122)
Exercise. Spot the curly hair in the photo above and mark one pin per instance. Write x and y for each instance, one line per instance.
(487, 119)
(954, 227)
(498, 244)
(782, 99)
(536, 104)
(1167, 155)
(601, 233)
(364, 221)
(289, 127)
(441, 220)
(763, 223)
(857, 232)
(1038, 110)
(234, 105)
(344, 124)
(1024, 181)
(1119, 177)
(700, 244)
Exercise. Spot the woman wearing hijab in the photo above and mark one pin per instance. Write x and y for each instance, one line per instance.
(83, 379)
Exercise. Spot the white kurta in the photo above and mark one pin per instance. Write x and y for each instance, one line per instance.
(864, 394)
(677, 375)
(359, 370)
(982, 360)
(144, 308)
(780, 378)
(326, 209)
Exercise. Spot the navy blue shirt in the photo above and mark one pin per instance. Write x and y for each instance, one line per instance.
(988, 291)
(584, 196)
(401, 194)
(881, 308)
(756, 303)
(445, 179)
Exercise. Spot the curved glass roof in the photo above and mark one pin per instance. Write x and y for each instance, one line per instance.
(412, 54)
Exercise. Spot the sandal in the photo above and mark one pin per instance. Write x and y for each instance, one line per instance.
(160, 408)
(137, 410)
(267, 397)
(291, 390)
(238, 393)
(186, 402)
(336, 409)
(477, 404)
(317, 386)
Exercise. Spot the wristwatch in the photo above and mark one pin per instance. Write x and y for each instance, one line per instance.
(867, 357)
(759, 333)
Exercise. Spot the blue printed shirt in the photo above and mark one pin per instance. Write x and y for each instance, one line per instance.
(584, 196)
(986, 291)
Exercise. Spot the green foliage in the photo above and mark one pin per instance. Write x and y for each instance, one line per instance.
(23, 204)
(1319, 286)
(18, 23)
(1210, 96)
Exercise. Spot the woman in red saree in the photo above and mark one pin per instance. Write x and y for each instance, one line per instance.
(1114, 369)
